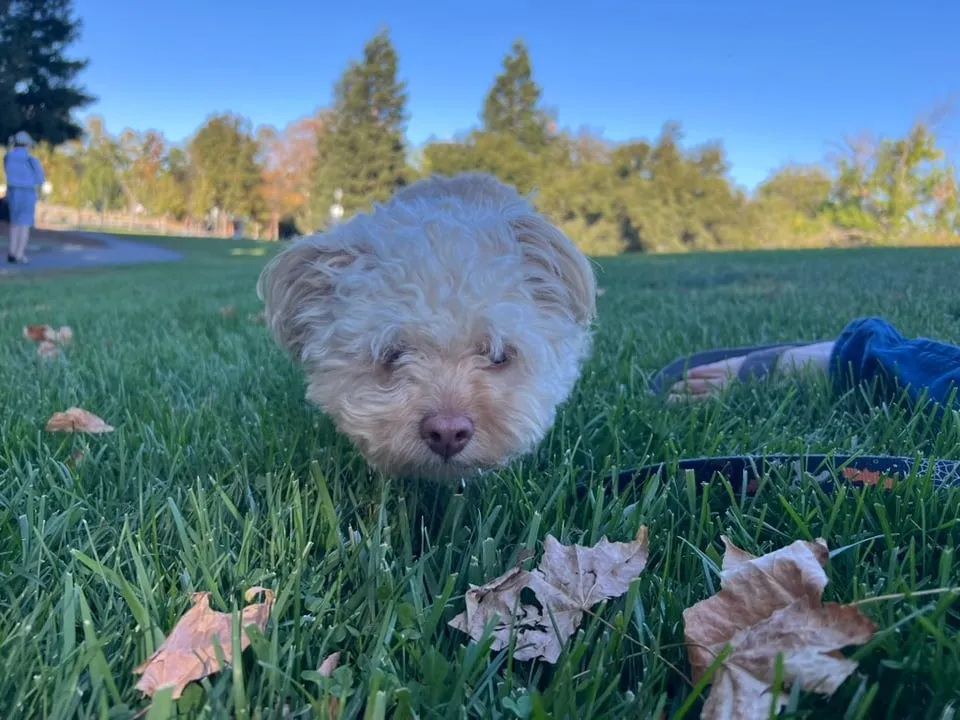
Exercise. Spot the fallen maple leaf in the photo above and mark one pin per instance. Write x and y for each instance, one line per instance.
(499, 597)
(77, 420)
(770, 606)
(189, 654)
(48, 339)
(39, 333)
(570, 580)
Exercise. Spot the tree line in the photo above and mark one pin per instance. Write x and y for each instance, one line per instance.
(649, 195)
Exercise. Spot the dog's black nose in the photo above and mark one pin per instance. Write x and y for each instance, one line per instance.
(447, 435)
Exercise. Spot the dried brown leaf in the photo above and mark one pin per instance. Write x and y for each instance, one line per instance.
(500, 597)
(77, 420)
(329, 664)
(189, 653)
(771, 605)
(39, 333)
(259, 318)
(570, 580)
(228, 311)
(48, 339)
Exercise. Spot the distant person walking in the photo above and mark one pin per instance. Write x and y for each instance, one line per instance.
(24, 176)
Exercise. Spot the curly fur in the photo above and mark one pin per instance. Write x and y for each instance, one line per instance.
(409, 310)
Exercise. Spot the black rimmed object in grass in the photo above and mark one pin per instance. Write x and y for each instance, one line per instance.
(745, 472)
(758, 363)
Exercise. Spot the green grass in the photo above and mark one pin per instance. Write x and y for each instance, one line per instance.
(219, 477)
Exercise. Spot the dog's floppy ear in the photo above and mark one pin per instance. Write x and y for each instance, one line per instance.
(294, 285)
(562, 275)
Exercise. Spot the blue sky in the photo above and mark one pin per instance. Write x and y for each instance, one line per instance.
(778, 82)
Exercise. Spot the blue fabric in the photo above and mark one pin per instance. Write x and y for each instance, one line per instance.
(871, 349)
(23, 205)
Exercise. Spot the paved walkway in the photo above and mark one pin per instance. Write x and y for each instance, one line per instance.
(67, 256)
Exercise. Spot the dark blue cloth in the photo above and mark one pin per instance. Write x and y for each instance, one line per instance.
(871, 349)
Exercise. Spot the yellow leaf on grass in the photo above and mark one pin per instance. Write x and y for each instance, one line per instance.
(570, 580)
(770, 606)
(189, 653)
(77, 420)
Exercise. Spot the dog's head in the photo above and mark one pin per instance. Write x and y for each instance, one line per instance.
(440, 331)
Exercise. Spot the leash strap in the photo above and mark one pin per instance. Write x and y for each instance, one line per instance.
(746, 471)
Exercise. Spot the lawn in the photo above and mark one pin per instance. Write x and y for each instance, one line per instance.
(219, 477)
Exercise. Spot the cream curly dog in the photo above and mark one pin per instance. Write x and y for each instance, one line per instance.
(440, 331)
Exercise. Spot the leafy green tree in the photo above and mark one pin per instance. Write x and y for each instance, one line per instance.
(100, 186)
(38, 82)
(637, 196)
(851, 202)
(895, 187)
(500, 155)
(61, 165)
(225, 174)
(363, 153)
(514, 142)
(804, 190)
(512, 107)
(946, 202)
(672, 199)
(791, 209)
(140, 162)
(905, 176)
(579, 193)
(170, 195)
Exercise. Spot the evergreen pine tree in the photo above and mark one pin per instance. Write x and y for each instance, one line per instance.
(38, 88)
(512, 106)
(363, 154)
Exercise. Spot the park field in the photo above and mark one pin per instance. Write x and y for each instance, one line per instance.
(219, 478)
